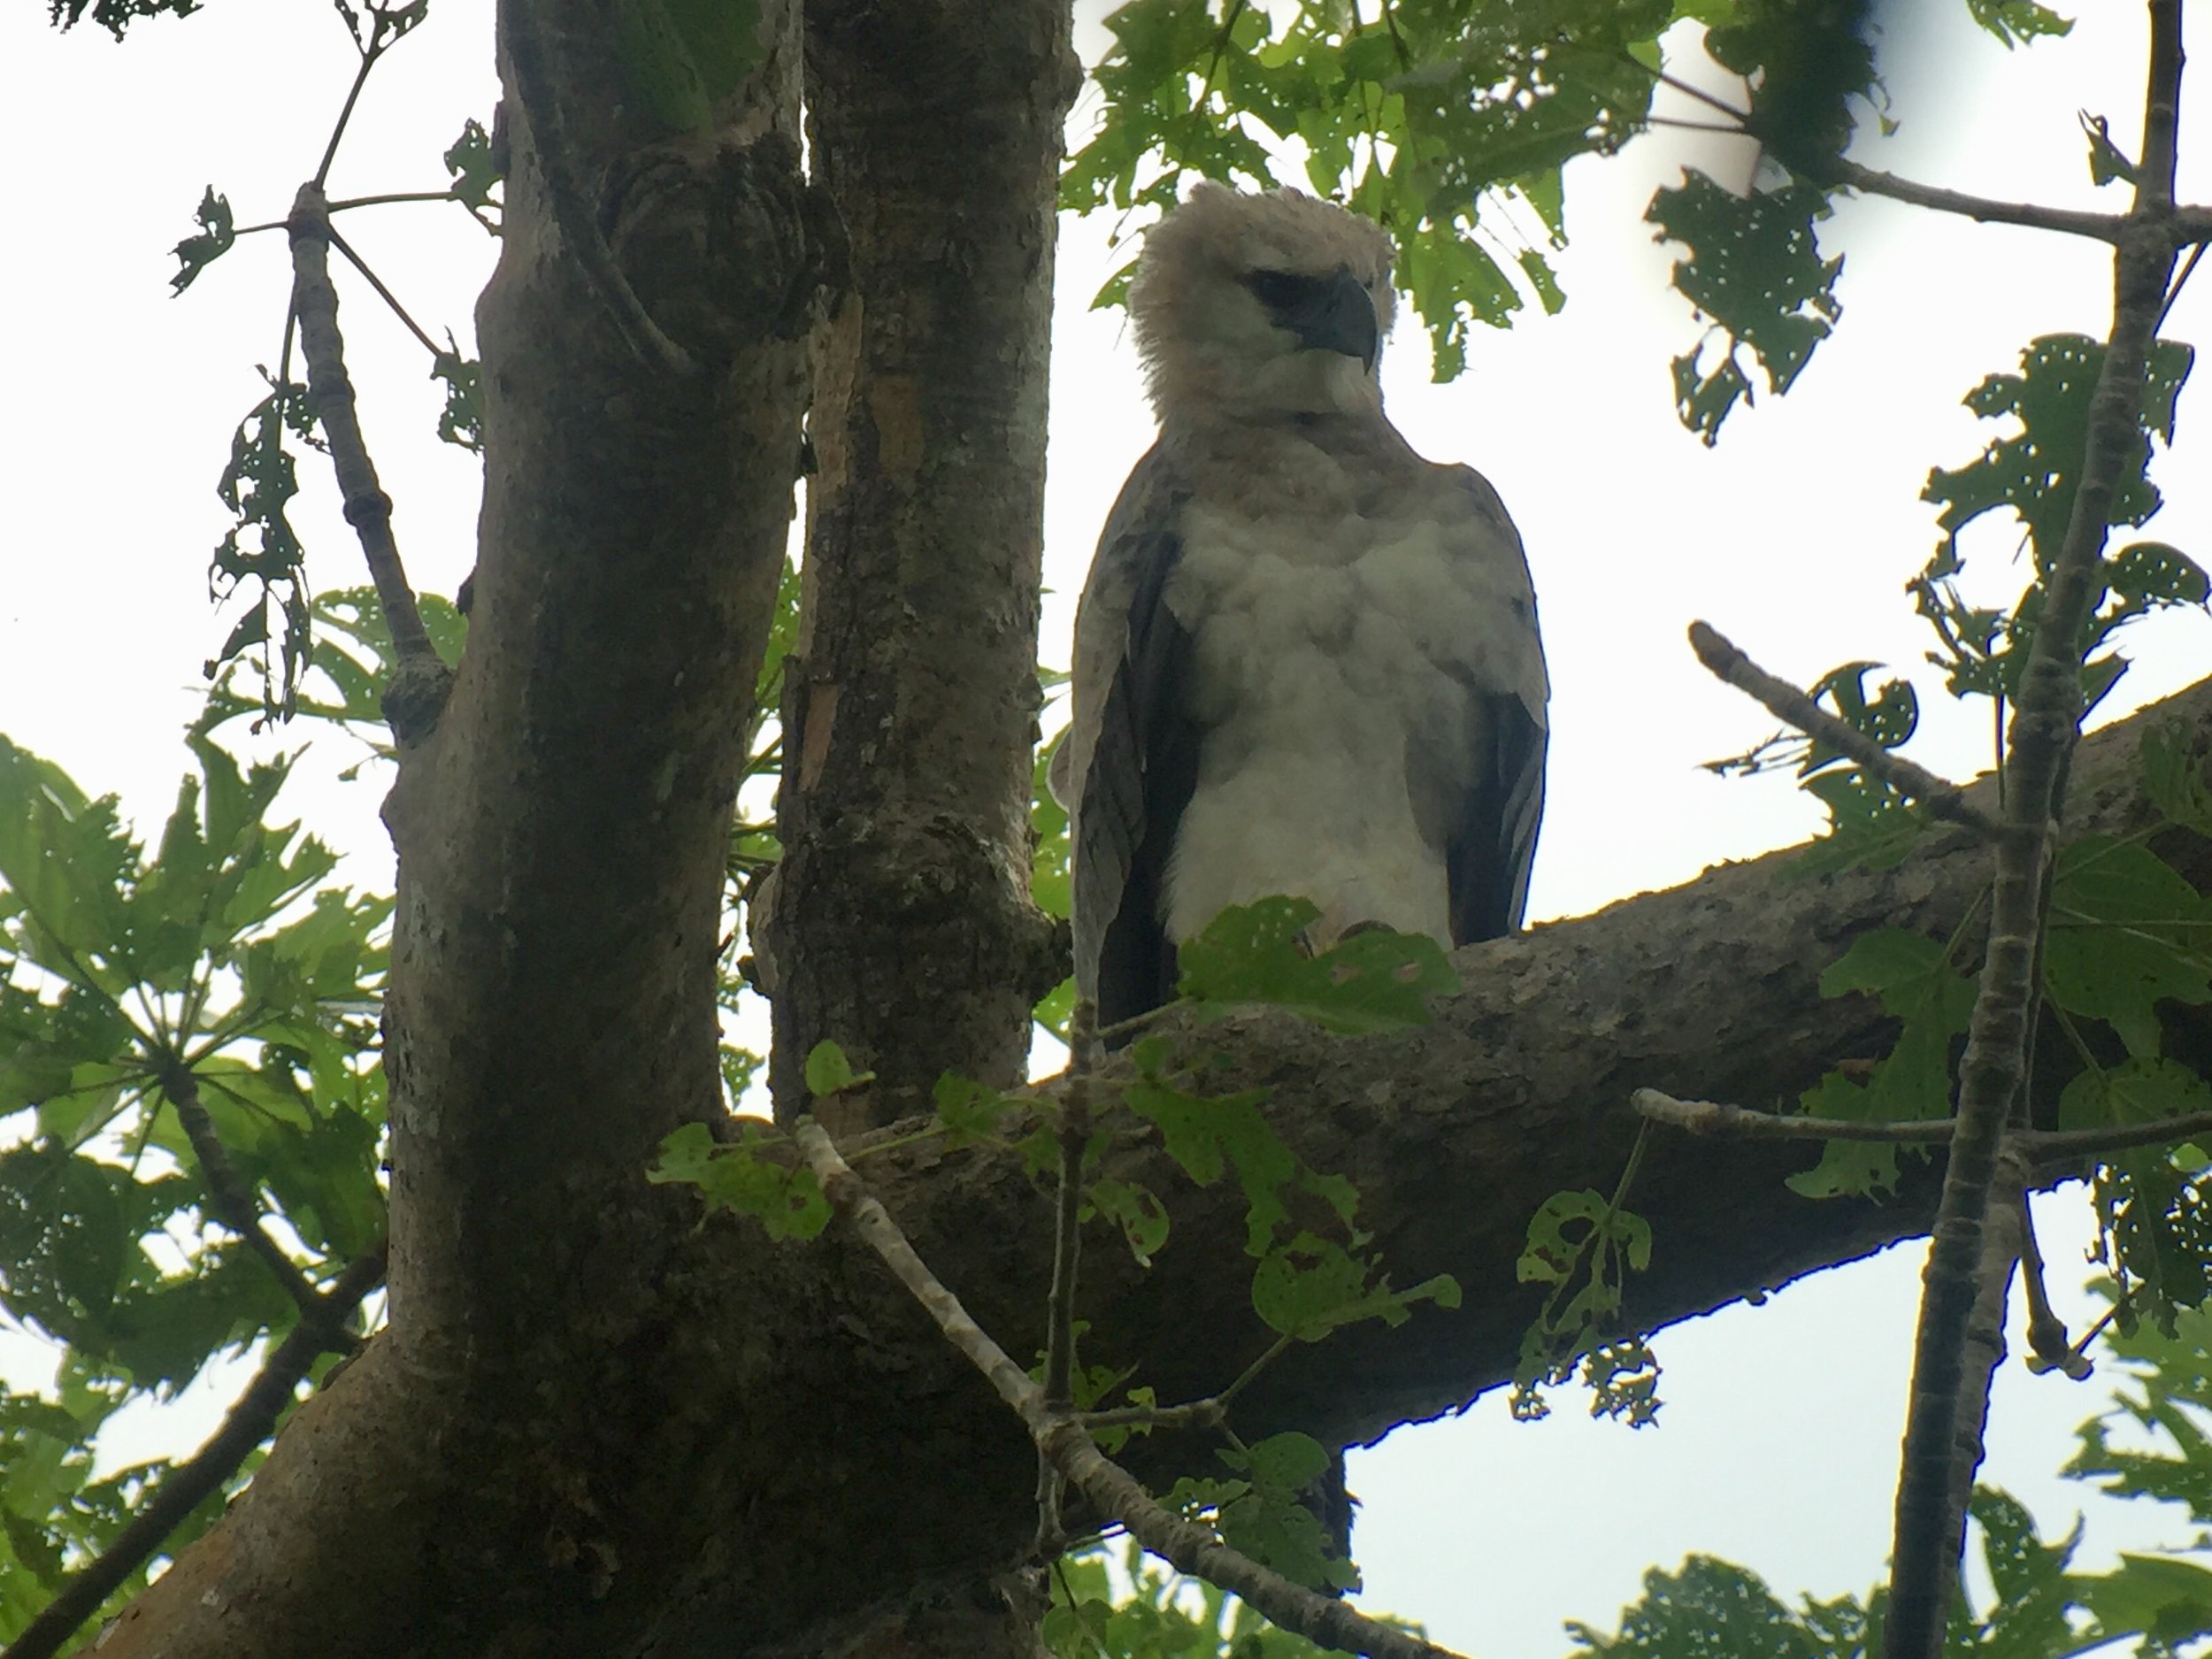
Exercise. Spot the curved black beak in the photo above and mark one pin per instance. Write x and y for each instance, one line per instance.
(1330, 313)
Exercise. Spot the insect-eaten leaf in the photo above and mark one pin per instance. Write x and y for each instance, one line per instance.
(216, 238)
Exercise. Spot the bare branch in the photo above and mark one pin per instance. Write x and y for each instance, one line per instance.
(321, 1328)
(230, 1200)
(1711, 1117)
(2038, 1146)
(419, 669)
(1061, 1436)
(1199, 1414)
(2066, 220)
(1787, 703)
(1942, 1437)
(2049, 1348)
(390, 299)
(2053, 1146)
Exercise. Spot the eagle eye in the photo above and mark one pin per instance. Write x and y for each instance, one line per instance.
(1279, 290)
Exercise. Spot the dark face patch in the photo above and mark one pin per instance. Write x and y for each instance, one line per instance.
(1326, 314)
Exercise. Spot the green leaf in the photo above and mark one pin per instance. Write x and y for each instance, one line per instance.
(1712, 1607)
(829, 1072)
(65, 1238)
(1912, 1083)
(1205, 1135)
(1310, 1286)
(1807, 65)
(476, 173)
(971, 1112)
(1755, 268)
(1372, 980)
(2108, 164)
(733, 1176)
(1141, 1216)
(2177, 785)
(216, 238)
(2128, 931)
(2018, 22)
(1268, 1520)
(461, 423)
(2166, 1450)
(2036, 472)
(66, 862)
(261, 548)
(2169, 1601)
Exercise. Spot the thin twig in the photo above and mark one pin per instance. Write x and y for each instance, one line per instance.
(1929, 1530)
(2039, 1146)
(1061, 1437)
(2056, 1146)
(519, 27)
(330, 396)
(2065, 220)
(1676, 83)
(2049, 1348)
(1199, 1414)
(2181, 281)
(1787, 703)
(383, 293)
(1712, 1118)
(319, 1331)
(230, 1200)
(369, 55)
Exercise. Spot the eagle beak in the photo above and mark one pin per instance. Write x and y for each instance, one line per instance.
(1331, 313)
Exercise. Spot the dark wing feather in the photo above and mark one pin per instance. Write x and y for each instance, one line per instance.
(1488, 860)
(1143, 753)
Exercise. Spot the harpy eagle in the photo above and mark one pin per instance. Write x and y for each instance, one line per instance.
(1306, 659)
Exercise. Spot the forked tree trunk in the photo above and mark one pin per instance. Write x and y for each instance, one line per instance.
(597, 1428)
(900, 924)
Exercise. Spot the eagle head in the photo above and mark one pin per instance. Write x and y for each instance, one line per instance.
(1261, 305)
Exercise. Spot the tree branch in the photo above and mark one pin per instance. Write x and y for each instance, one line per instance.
(321, 1329)
(1712, 1118)
(416, 695)
(2038, 1145)
(1936, 1472)
(1787, 703)
(230, 1200)
(2066, 220)
(1061, 1437)
(2050, 1347)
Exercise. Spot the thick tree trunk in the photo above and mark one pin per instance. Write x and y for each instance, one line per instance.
(710, 1445)
(900, 924)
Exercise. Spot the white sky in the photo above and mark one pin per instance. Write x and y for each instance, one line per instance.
(1778, 1444)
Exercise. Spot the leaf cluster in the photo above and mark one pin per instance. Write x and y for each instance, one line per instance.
(221, 970)
(1449, 124)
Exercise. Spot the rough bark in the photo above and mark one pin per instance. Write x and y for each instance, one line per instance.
(900, 924)
(710, 1445)
(561, 839)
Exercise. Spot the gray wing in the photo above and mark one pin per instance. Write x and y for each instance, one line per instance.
(1494, 844)
(1132, 752)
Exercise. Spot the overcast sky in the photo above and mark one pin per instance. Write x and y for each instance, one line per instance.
(1778, 1444)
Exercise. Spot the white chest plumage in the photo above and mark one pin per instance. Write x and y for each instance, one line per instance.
(1341, 665)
